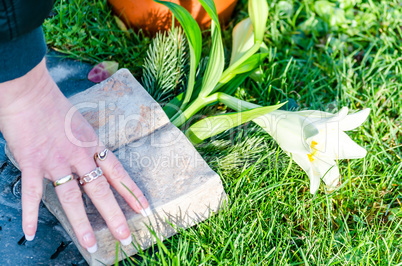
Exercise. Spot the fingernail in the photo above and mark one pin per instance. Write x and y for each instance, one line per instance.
(127, 241)
(122, 230)
(93, 249)
(89, 239)
(147, 212)
(29, 238)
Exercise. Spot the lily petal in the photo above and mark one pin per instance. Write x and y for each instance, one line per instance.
(328, 170)
(330, 120)
(288, 129)
(315, 139)
(354, 120)
(333, 143)
(315, 114)
(341, 114)
(302, 160)
(319, 118)
(348, 149)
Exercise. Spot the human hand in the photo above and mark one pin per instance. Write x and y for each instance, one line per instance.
(32, 120)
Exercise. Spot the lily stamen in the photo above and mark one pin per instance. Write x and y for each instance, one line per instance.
(314, 151)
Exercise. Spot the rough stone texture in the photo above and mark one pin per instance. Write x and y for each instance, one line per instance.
(179, 185)
(120, 110)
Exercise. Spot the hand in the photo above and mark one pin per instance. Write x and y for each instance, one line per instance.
(32, 120)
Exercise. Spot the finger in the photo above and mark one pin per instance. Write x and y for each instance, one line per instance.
(102, 197)
(70, 197)
(31, 195)
(122, 182)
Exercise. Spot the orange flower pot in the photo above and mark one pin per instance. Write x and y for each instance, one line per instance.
(152, 17)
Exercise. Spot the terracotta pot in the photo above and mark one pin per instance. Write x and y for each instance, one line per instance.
(152, 17)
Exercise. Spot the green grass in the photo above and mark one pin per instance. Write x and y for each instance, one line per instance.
(87, 31)
(272, 218)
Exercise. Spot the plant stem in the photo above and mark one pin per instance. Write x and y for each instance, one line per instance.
(199, 103)
(235, 103)
(182, 116)
(227, 74)
(194, 107)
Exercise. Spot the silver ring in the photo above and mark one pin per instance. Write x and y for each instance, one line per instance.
(63, 180)
(91, 176)
(101, 155)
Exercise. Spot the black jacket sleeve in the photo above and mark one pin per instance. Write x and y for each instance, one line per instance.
(22, 45)
(18, 17)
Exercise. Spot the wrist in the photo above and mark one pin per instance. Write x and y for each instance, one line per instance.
(18, 94)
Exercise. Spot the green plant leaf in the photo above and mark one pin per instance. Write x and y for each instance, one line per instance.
(189, 25)
(324, 8)
(194, 37)
(243, 39)
(258, 11)
(252, 63)
(121, 25)
(173, 106)
(216, 61)
(211, 126)
(209, 6)
(231, 86)
(235, 103)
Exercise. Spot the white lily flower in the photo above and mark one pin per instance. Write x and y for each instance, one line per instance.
(316, 140)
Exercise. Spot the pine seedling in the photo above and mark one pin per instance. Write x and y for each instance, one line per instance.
(164, 68)
(231, 158)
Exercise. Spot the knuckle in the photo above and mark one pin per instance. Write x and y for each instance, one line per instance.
(101, 189)
(71, 196)
(30, 159)
(83, 153)
(80, 225)
(118, 172)
(82, 156)
(31, 193)
(115, 218)
(59, 157)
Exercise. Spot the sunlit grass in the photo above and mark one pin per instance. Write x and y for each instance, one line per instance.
(273, 219)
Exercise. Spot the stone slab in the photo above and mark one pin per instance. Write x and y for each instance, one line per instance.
(181, 188)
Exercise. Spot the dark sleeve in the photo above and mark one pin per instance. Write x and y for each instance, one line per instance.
(19, 56)
(18, 17)
(22, 45)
